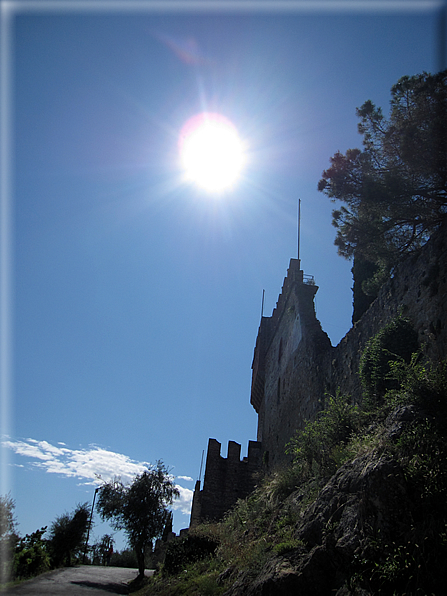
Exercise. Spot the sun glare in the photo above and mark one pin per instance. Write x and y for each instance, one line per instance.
(211, 152)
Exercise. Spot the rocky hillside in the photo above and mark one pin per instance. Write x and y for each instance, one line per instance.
(368, 531)
(363, 510)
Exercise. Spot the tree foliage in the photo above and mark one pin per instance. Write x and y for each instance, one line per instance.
(8, 536)
(7, 517)
(394, 191)
(102, 550)
(31, 555)
(316, 449)
(362, 273)
(67, 535)
(395, 342)
(141, 509)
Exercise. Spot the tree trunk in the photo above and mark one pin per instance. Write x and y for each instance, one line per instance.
(140, 560)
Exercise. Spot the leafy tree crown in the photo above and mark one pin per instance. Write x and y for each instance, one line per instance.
(393, 193)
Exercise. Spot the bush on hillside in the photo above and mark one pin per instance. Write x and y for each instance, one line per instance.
(318, 449)
(188, 550)
(396, 342)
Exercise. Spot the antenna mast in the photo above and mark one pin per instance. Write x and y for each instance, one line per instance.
(201, 464)
(299, 223)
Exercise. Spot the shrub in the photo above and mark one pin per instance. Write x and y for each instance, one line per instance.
(31, 557)
(397, 341)
(287, 546)
(420, 384)
(124, 558)
(318, 449)
(285, 482)
(187, 550)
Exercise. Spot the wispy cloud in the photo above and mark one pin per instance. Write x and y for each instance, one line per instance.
(92, 465)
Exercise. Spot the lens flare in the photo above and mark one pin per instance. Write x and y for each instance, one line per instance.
(211, 152)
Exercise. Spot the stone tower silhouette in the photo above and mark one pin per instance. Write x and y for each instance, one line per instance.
(284, 385)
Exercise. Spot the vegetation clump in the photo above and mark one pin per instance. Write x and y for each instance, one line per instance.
(319, 449)
(190, 549)
(8, 537)
(31, 555)
(67, 536)
(395, 342)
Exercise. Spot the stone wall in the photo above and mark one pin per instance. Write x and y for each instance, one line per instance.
(287, 365)
(226, 480)
(294, 365)
(418, 288)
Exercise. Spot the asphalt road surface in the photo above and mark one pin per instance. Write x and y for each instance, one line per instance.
(83, 580)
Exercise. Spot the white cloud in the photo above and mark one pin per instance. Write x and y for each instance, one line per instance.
(183, 504)
(85, 464)
(88, 464)
(187, 478)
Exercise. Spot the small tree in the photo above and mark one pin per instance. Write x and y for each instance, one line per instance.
(102, 550)
(141, 509)
(317, 449)
(67, 535)
(8, 536)
(31, 556)
(7, 519)
(395, 342)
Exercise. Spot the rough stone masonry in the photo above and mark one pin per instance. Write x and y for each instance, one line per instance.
(294, 365)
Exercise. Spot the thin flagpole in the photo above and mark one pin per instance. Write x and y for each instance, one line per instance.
(201, 465)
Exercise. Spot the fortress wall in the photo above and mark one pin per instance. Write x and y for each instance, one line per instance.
(299, 364)
(226, 480)
(419, 289)
(294, 364)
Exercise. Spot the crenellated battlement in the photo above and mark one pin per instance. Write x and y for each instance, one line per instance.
(226, 480)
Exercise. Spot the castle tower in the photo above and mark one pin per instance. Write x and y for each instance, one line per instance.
(286, 389)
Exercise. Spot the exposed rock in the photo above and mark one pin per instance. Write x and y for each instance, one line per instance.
(366, 498)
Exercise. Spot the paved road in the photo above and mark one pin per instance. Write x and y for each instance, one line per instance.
(83, 580)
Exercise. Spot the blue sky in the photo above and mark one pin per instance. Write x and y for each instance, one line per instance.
(134, 299)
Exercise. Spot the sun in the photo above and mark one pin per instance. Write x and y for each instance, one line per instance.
(211, 152)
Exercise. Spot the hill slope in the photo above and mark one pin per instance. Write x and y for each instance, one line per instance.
(362, 511)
